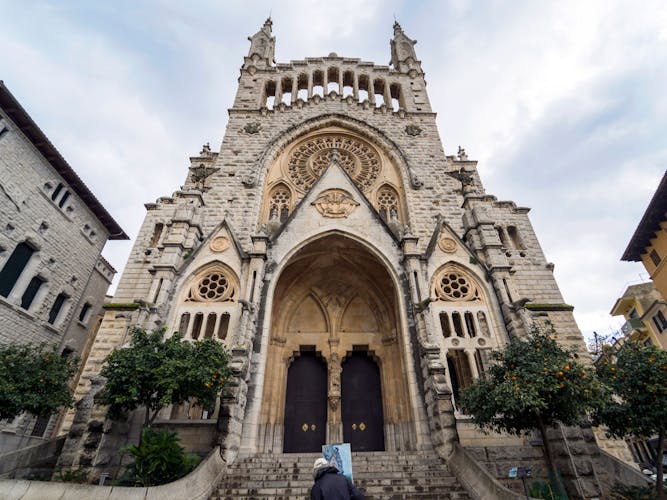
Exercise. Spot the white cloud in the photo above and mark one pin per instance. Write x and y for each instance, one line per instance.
(562, 102)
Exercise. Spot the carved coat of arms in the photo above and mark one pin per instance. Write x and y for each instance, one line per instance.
(335, 203)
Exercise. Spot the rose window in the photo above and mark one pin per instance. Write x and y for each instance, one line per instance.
(455, 286)
(308, 160)
(214, 286)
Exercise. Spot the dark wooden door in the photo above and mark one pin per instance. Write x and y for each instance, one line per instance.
(361, 405)
(305, 405)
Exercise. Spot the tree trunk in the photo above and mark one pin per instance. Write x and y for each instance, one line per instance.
(659, 459)
(551, 464)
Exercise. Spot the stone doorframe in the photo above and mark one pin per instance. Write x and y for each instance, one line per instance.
(293, 299)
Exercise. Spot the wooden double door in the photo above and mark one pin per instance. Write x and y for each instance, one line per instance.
(306, 404)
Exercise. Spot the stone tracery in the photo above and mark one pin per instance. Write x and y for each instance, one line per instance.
(309, 159)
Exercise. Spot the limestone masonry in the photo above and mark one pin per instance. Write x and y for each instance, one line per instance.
(359, 275)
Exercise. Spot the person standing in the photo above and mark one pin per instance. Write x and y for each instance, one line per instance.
(330, 484)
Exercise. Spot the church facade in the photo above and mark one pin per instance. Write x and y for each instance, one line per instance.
(359, 275)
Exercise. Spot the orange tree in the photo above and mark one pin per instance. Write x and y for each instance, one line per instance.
(637, 376)
(153, 372)
(34, 379)
(534, 383)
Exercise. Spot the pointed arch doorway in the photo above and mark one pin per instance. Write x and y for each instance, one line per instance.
(335, 301)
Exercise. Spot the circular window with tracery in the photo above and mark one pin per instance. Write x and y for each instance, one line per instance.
(454, 286)
(214, 286)
(308, 160)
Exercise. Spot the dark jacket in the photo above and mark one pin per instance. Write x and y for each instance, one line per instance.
(332, 485)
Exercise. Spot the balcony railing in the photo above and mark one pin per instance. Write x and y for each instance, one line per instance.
(633, 324)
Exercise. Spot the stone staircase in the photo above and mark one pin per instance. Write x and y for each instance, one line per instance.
(380, 475)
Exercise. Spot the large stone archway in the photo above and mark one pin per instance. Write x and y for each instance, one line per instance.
(334, 299)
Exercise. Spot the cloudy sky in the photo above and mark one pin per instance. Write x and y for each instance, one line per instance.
(563, 103)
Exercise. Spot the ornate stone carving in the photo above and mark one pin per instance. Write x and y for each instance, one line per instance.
(453, 285)
(215, 285)
(447, 245)
(219, 244)
(252, 128)
(335, 203)
(308, 160)
(413, 130)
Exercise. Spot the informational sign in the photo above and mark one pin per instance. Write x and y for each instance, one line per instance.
(339, 455)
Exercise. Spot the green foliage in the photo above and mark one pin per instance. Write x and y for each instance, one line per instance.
(637, 376)
(159, 459)
(34, 379)
(71, 476)
(534, 381)
(122, 306)
(543, 489)
(153, 372)
(624, 492)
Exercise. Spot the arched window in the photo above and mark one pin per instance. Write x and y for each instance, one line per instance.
(363, 88)
(286, 86)
(318, 83)
(302, 87)
(378, 91)
(54, 313)
(332, 81)
(279, 204)
(29, 295)
(270, 94)
(157, 233)
(516, 239)
(348, 84)
(14, 267)
(223, 327)
(387, 203)
(83, 314)
(396, 98)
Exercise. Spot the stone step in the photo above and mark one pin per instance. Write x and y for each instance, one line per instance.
(381, 475)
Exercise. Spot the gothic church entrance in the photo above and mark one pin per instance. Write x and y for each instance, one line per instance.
(336, 364)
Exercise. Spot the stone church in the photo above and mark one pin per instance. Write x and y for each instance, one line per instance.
(359, 275)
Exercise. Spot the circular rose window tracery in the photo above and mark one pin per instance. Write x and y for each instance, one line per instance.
(214, 286)
(308, 160)
(455, 286)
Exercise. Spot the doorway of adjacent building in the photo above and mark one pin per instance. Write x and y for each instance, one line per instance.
(306, 404)
(361, 404)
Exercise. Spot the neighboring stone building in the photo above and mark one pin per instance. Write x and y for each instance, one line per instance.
(359, 275)
(649, 243)
(53, 279)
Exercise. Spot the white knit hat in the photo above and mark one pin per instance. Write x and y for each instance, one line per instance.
(320, 463)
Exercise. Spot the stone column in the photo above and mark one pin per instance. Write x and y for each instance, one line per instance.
(295, 89)
(355, 86)
(470, 354)
(279, 93)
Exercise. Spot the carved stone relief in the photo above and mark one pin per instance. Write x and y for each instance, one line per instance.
(335, 203)
(447, 245)
(219, 244)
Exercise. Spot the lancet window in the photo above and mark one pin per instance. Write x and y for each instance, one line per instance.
(279, 207)
(209, 304)
(387, 203)
(466, 325)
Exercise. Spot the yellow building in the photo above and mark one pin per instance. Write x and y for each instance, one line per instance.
(646, 313)
(649, 243)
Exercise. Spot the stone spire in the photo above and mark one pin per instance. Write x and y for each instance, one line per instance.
(403, 56)
(262, 48)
